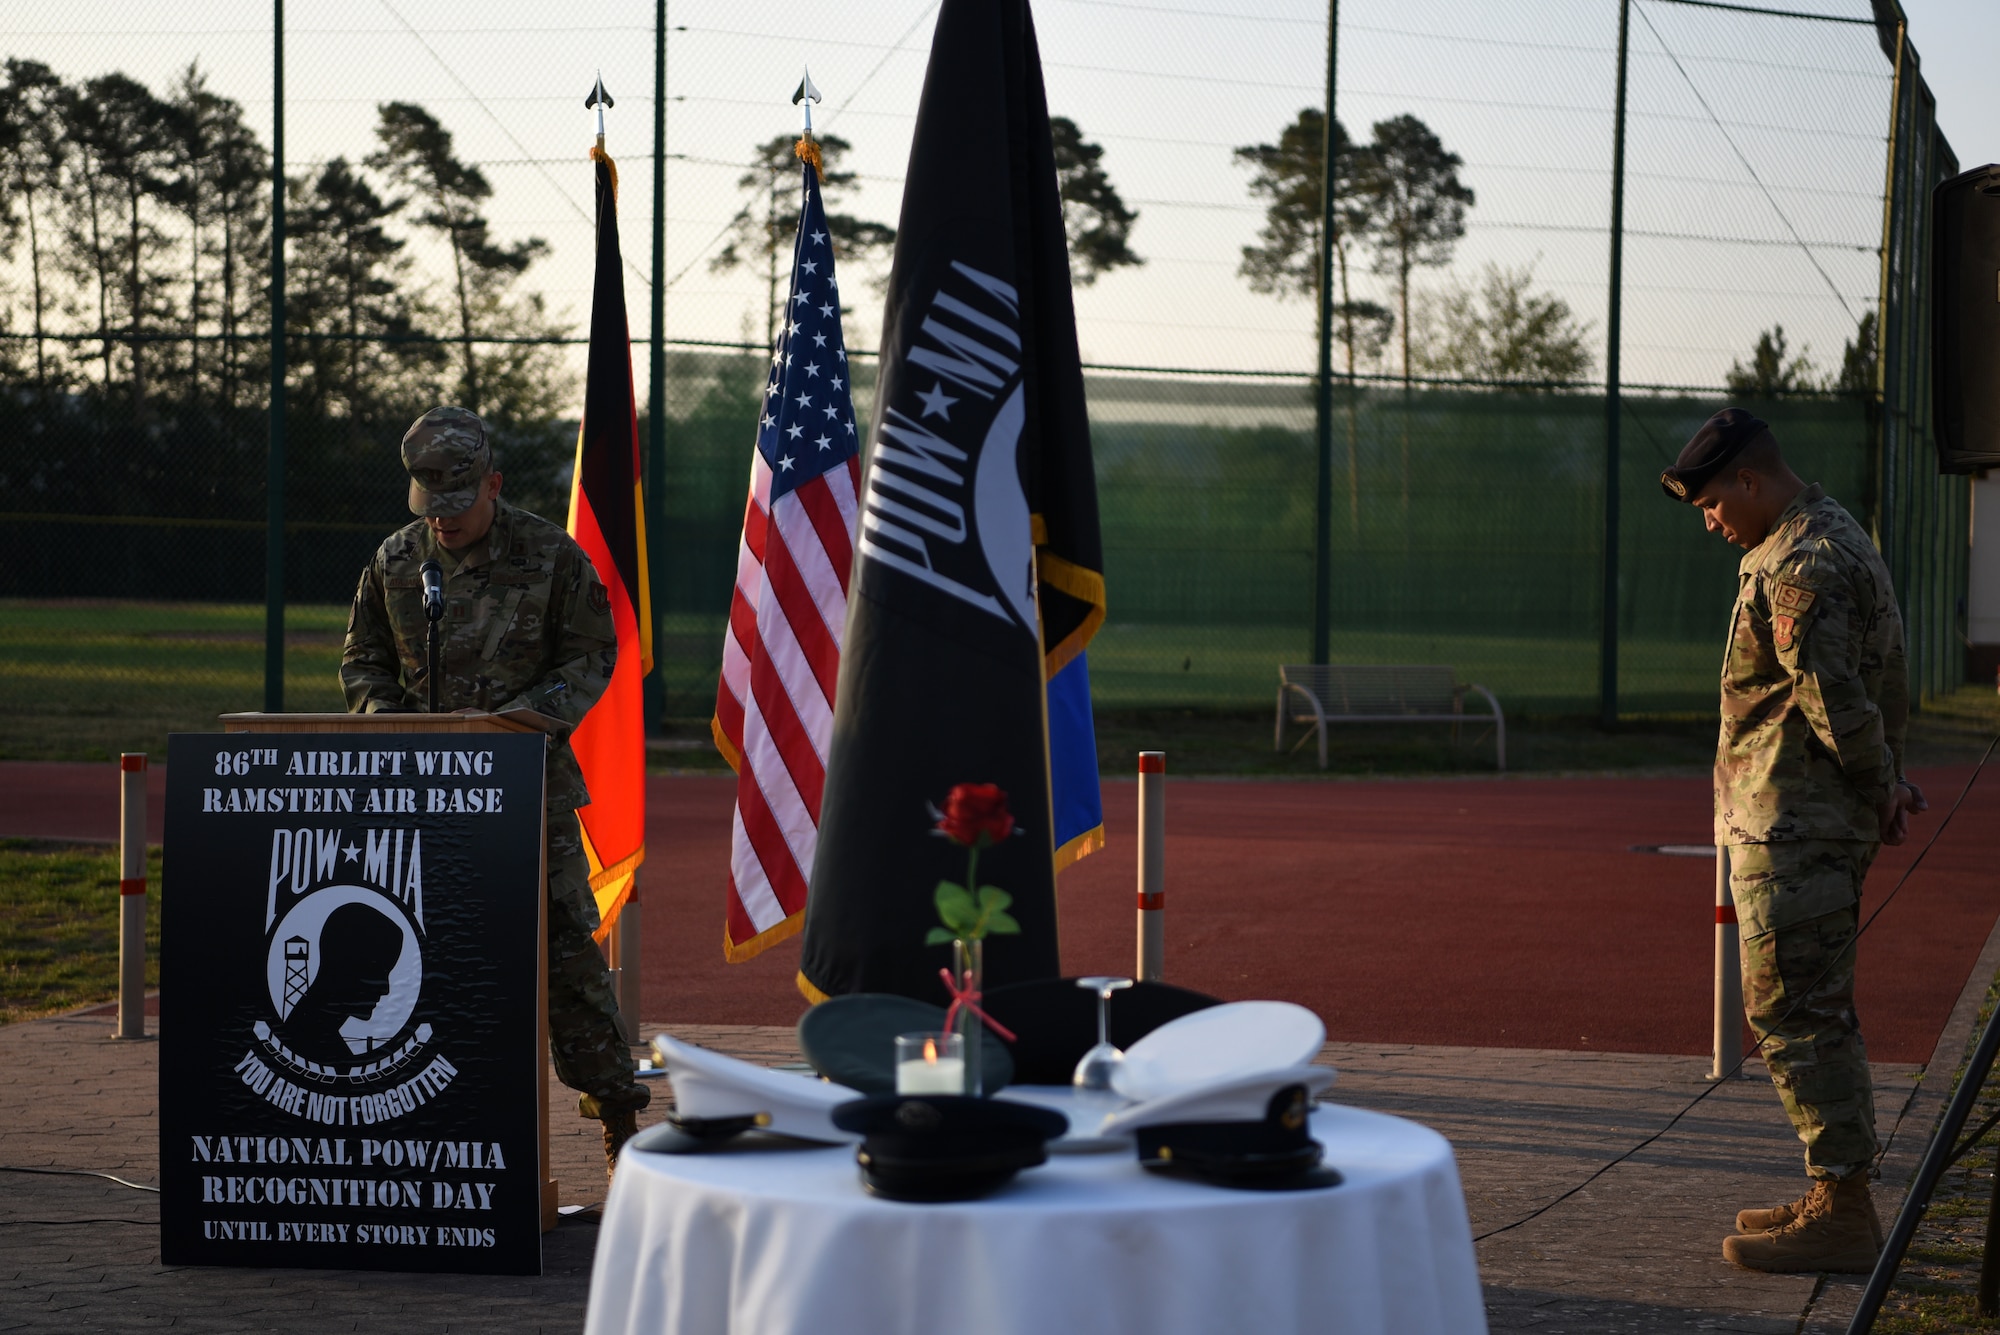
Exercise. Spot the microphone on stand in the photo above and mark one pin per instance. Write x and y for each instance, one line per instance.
(433, 575)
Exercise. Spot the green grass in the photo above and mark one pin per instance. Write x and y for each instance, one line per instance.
(1934, 1291)
(1224, 666)
(59, 927)
(1239, 742)
(87, 680)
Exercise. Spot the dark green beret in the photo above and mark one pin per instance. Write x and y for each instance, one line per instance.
(851, 1040)
(1721, 438)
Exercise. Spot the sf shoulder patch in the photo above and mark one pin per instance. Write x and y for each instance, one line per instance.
(600, 598)
(1794, 599)
(1789, 605)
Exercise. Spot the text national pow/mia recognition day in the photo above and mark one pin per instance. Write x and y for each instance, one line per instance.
(353, 1081)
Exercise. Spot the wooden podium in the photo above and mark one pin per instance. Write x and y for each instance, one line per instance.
(516, 721)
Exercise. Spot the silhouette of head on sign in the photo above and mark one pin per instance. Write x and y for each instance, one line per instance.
(358, 947)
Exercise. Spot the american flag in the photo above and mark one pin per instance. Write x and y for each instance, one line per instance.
(781, 655)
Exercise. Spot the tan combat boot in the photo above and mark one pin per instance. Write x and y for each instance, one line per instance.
(620, 1125)
(1833, 1229)
(1762, 1221)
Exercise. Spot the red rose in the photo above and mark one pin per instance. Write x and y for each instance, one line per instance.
(976, 816)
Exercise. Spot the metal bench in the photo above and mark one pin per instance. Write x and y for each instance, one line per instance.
(1319, 694)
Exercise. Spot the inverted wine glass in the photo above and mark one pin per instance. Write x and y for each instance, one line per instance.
(1093, 1070)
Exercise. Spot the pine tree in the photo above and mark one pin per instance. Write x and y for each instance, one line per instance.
(763, 229)
(33, 153)
(417, 154)
(345, 290)
(1098, 223)
(1772, 369)
(1419, 205)
(125, 162)
(1285, 262)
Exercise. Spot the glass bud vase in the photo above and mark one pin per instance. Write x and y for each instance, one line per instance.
(968, 966)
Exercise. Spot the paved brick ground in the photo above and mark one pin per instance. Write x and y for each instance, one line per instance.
(1637, 1251)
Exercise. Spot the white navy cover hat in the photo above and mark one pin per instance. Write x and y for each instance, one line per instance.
(711, 1089)
(1240, 1098)
(1219, 1043)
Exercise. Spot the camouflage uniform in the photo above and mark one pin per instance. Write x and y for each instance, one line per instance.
(527, 624)
(1814, 698)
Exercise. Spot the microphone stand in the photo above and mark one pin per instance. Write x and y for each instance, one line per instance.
(434, 616)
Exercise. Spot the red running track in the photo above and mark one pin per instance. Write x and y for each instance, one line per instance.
(1480, 912)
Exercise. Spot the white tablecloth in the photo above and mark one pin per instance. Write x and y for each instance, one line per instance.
(786, 1242)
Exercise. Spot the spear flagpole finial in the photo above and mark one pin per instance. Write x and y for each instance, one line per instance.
(600, 99)
(806, 95)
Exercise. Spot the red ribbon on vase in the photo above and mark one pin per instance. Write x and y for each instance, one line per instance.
(964, 994)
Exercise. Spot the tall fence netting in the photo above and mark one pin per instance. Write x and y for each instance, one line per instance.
(1467, 518)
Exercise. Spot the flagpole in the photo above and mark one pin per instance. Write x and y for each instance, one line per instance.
(804, 99)
(656, 367)
(1322, 613)
(274, 464)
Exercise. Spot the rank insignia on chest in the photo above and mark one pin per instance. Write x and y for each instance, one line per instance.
(1784, 629)
(1793, 598)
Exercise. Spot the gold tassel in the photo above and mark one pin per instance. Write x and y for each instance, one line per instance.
(597, 154)
(808, 151)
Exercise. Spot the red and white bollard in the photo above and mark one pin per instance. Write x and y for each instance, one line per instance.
(131, 896)
(1152, 865)
(1728, 974)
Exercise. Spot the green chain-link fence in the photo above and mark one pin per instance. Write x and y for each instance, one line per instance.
(1467, 517)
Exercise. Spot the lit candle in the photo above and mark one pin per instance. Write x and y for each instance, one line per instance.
(930, 1064)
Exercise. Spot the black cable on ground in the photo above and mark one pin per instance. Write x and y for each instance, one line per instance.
(1901, 881)
(80, 1172)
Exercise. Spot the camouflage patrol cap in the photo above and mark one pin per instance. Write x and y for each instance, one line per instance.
(447, 456)
(1721, 438)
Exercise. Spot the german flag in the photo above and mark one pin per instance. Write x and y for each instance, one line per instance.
(607, 517)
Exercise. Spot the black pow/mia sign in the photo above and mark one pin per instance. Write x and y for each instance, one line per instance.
(349, 1044)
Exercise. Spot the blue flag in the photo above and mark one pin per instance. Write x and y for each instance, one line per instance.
(1078, 800)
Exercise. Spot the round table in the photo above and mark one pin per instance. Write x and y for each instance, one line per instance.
(779, 1241)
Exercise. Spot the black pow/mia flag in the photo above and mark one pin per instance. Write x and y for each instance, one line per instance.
(349, 1058)
(978, 541)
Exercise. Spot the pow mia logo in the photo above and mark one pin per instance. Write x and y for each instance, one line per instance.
(344, 976)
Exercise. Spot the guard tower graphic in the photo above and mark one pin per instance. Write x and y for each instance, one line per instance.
(298, 959)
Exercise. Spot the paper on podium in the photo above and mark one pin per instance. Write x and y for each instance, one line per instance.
(533, 718)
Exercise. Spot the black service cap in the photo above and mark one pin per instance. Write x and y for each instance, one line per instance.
(1055, 1022)
(945, 1147)
(1275, 1154)
(1721, 438)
